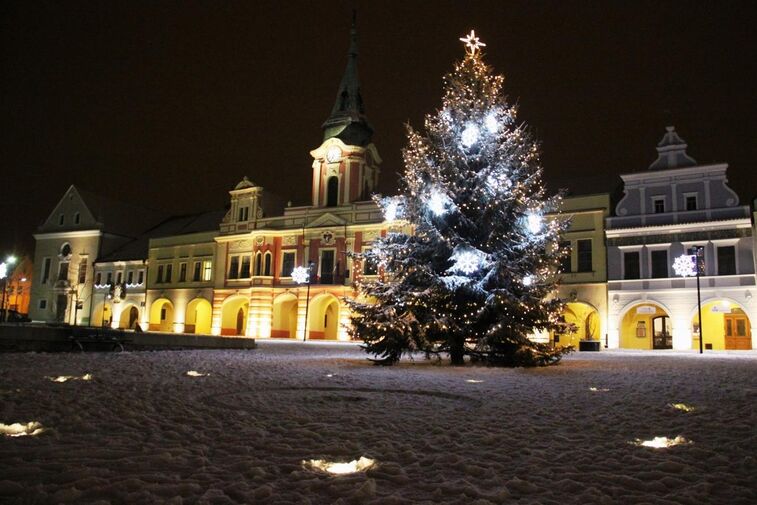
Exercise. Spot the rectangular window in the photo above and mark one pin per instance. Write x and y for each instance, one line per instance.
(584, 256)
(207, 270)
(82, 271)
(196, 271)
(565, 262)
(244, 213)
(43, 304)
(98, 279)
(287, 264)
(63, 272)
(119, 277)
(370, 267)
(727, 260)
(46, 271)
(169, 272)
(140, 277)
(659, 205)
(244, 271)
(130, 277)
(77, 218)
(182, 272)
(61, 220)
(659, 264)
(159, 278)
(109, 278)
(234, 267)
(631, 265)
(691, 202)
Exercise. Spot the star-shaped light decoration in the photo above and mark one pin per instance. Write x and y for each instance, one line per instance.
(473, 44)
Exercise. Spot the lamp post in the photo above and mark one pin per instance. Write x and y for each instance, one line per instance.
(301, 275)
(690, 265)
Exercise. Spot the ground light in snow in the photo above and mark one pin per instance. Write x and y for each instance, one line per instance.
(331, 467)
(194, 373)
(66, 378)
(598, 389)
(330, 374)
(474, 381)
(32, 429)
(682, 407)
(662, 442)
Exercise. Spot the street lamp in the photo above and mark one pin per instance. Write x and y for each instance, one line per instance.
(301, 275)
(690, 265)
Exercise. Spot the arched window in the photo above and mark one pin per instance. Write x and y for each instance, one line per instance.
(258, 261)
(267, 264)
(332, 191)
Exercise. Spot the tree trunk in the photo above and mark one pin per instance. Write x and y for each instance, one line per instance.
(456, 351)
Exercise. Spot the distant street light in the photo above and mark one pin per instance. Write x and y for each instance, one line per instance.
(4, 275)
(690, 265)
(302, 275)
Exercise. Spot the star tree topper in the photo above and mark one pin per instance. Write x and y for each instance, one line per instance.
(473, 44)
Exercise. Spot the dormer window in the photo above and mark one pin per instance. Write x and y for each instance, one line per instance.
(658, 205)
(244, 213)
(61, 219)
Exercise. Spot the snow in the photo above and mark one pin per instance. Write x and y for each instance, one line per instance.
(144, 431)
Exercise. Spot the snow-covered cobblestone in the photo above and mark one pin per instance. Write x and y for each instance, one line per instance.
(244, 427)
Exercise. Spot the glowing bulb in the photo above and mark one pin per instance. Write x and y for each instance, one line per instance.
(333, 468)
(470, 135)
(535, 222)
(662, 442)
(194, 373)
(491, 123)
(32, 429)
(391, 209)
(528, 280)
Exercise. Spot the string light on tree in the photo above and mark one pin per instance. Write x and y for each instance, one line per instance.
(528, 280)
(535, 222)
(438, 202)
(491, 122)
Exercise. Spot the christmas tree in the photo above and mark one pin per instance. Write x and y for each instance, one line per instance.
(474, 273)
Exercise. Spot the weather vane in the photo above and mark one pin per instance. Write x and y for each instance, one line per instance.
(472, 43)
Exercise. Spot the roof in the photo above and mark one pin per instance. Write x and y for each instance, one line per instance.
(671, 152)
(138, 248)
(347, 120)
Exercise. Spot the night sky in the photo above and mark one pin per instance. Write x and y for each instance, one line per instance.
(171, 103)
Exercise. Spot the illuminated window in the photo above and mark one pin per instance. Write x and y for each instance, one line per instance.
(207, 270)
(244, 213)
(370, 267)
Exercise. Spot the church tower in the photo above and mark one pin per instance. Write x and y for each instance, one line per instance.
(346, 164)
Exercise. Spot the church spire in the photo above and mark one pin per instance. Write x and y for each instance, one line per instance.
(347, 120)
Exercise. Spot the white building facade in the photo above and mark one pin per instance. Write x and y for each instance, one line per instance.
(667, 211)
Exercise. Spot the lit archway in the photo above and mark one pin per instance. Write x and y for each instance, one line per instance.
(646, 325)
(284, 316)
(585, 320)
(161, 315)
(726, 326)
(129, 317)
(324, 317)
(198, 317)
(234, 315)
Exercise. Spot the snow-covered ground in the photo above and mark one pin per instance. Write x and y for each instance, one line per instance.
(143, 431)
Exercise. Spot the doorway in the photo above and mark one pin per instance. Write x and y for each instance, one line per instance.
(663, 336)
